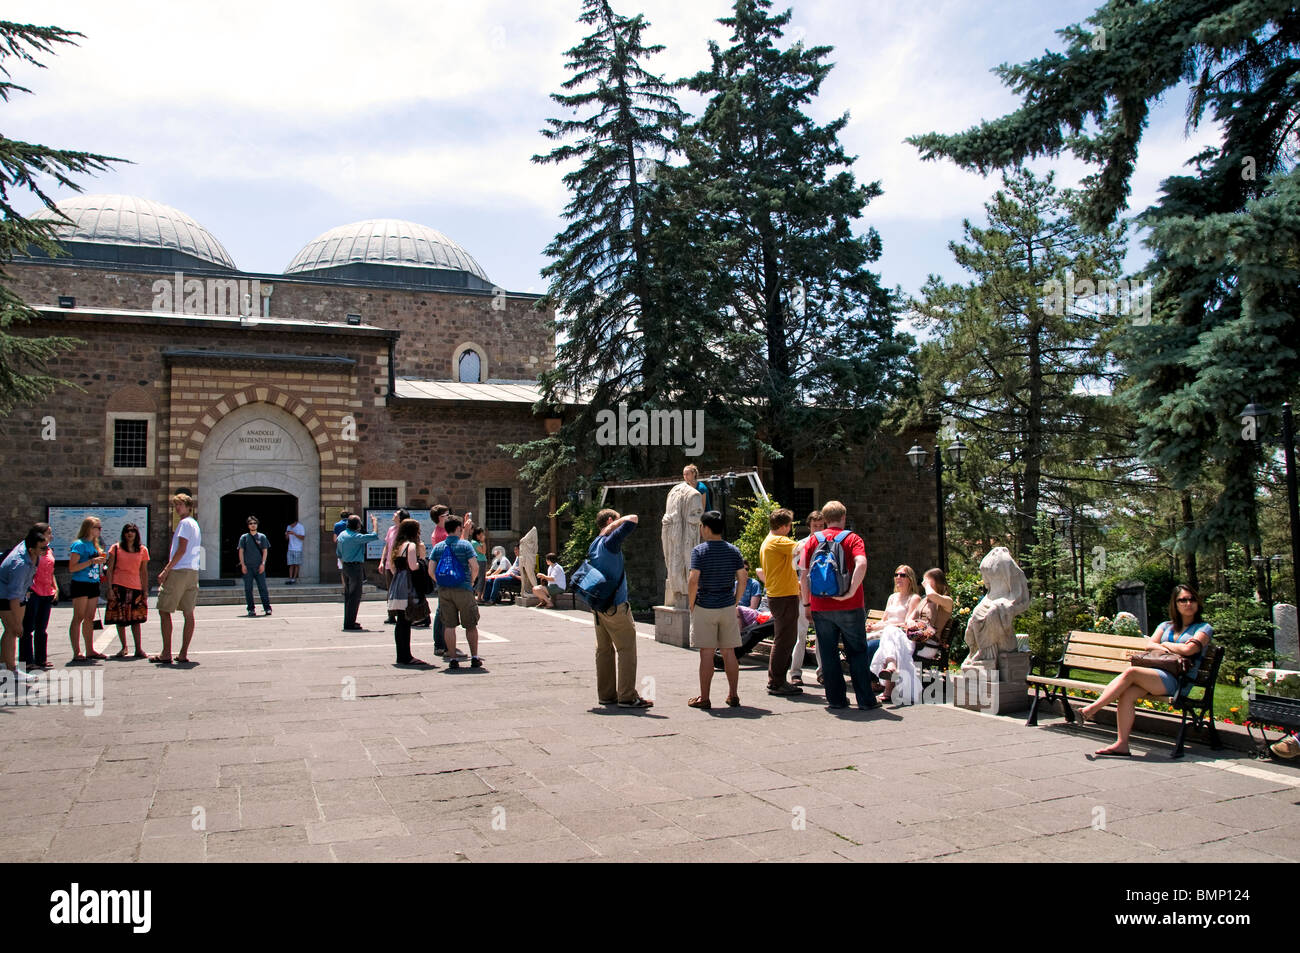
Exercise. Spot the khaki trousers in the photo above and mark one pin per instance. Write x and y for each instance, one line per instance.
(616, 639)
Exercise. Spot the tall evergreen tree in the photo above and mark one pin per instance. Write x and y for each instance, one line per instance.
(1224, 238)
(600, 270)
(1023, 370)
(23, 377)
(806, 327)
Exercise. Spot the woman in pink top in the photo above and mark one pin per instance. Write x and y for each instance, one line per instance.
(128, 588)
(42, 595)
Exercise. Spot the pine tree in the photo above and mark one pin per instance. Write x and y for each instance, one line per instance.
(23, 378)
(806, 327)
(1022, 370)
(600, 269)
(1224, 238)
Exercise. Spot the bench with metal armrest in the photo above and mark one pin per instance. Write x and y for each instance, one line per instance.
(1108, 654)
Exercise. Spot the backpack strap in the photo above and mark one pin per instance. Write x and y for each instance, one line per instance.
(843, 535)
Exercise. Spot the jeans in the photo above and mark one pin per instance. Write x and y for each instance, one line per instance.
(849, 626)
(261, 588)
(872, 645)
(31, 646)
(498, 586)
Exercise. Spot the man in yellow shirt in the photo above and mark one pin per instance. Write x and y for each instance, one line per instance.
(777, 559)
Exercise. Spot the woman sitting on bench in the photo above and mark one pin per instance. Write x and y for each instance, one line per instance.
(935, 611)
(1184, 634)
(893, 655)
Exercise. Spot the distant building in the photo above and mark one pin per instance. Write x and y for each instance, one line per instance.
(382, 369)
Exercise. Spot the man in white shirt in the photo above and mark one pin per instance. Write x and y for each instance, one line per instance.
(295, 534)
(553, 582)
(178, 583)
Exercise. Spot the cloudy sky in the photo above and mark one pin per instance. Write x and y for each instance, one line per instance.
(270, 123)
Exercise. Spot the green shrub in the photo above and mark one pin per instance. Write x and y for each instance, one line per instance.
(754, 526)
(1241, 623)
(967, 591)
(1159, 582)
(581, 534)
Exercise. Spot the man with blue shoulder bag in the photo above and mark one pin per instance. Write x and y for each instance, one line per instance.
(602, 584)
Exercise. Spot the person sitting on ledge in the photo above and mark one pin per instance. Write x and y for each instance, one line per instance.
(509, 581)
(1185, 634)
(892, 654)
(553, 582)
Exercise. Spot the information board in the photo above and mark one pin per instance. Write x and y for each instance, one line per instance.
(66, 523)
(376, 549)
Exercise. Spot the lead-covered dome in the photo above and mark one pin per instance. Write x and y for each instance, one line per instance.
(134, 230)
(390, 250)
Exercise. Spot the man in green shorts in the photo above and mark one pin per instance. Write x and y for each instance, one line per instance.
(455, 567)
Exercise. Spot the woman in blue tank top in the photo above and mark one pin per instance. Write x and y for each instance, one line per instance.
(1184, 634)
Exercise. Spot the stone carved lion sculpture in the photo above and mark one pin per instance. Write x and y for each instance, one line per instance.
(991, 629)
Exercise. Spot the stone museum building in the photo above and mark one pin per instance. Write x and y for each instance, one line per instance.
(382, 368)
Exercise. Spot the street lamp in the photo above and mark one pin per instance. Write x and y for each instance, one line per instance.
(916, 456)
(1252, 418)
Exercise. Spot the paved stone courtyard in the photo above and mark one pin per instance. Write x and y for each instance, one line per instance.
(292, 740)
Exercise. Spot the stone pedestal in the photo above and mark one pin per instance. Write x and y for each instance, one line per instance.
(673, 626)
(999, 688)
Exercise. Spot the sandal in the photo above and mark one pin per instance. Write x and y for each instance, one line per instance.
(701, 703)
(733, 701)
(99, 656)
(797, 680)
(122, 654)
(77, 660)
(159, 660)
(141, 654)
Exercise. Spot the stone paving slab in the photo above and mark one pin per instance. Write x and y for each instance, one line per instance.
(292, 740)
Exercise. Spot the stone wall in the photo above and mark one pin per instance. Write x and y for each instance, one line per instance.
(514, 336)
(442, 452)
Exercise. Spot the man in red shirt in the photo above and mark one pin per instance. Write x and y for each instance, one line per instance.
(843, 617)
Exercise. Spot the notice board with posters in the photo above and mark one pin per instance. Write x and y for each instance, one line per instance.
(66, 522)
(376, 549)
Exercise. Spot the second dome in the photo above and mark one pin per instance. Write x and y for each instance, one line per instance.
(390, 250)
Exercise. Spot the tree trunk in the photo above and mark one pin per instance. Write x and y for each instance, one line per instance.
(1191, 555)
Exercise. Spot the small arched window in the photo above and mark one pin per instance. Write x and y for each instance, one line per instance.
(469, 369)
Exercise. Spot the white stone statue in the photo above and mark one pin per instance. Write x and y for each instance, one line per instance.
(681, 534)
(528, 562)
(991, 629)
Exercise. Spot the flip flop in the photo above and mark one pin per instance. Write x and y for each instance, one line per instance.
(98, 656)
(159, 660)
(733, 701)
(1112, 754)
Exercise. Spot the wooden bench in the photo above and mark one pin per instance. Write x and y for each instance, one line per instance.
(928, 668)
(1109, 655)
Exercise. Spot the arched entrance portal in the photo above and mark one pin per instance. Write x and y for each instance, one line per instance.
(258, 458)
(274, 509)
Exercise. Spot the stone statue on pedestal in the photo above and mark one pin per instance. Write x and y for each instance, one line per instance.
(681, 534)
(991, 630)
(528, 563)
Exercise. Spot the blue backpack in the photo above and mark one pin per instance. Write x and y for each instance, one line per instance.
(828, 576)
(450, 572)
(591, 585)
